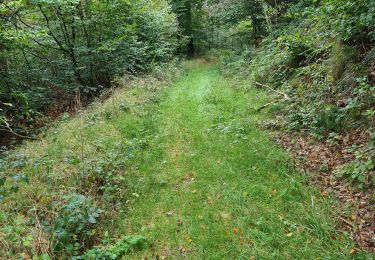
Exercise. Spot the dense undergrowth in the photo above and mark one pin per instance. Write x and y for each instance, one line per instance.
(319, 59)
(55, 52)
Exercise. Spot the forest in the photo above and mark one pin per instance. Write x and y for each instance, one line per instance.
(196, 129)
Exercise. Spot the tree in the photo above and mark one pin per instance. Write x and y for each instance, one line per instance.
(64, 46)
(189, 17)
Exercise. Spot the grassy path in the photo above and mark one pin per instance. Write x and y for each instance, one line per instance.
(212, 186)
(184, 166)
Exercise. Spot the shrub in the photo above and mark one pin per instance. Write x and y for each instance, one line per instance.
(75, 224)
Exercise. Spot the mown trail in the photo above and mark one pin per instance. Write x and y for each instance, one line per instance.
(213, 186)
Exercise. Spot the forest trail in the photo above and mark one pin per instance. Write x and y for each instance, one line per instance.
(181, 129)
(183, 165)
(215, 187)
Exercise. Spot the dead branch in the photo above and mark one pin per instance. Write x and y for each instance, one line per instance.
(10, 130)
(274, 90)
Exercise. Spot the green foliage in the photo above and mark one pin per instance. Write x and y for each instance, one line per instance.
(14, 231)
(360, 171)
(361, 104)
(314, 58)
(51, 49)
(116, 251)
(257, 15)
(349, 20)
(330, 119)
(74, 226)
(105, 176)
(11, 174)
(243, 32)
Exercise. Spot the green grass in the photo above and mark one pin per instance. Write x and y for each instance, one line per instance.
(214, 187)
(199, 180)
